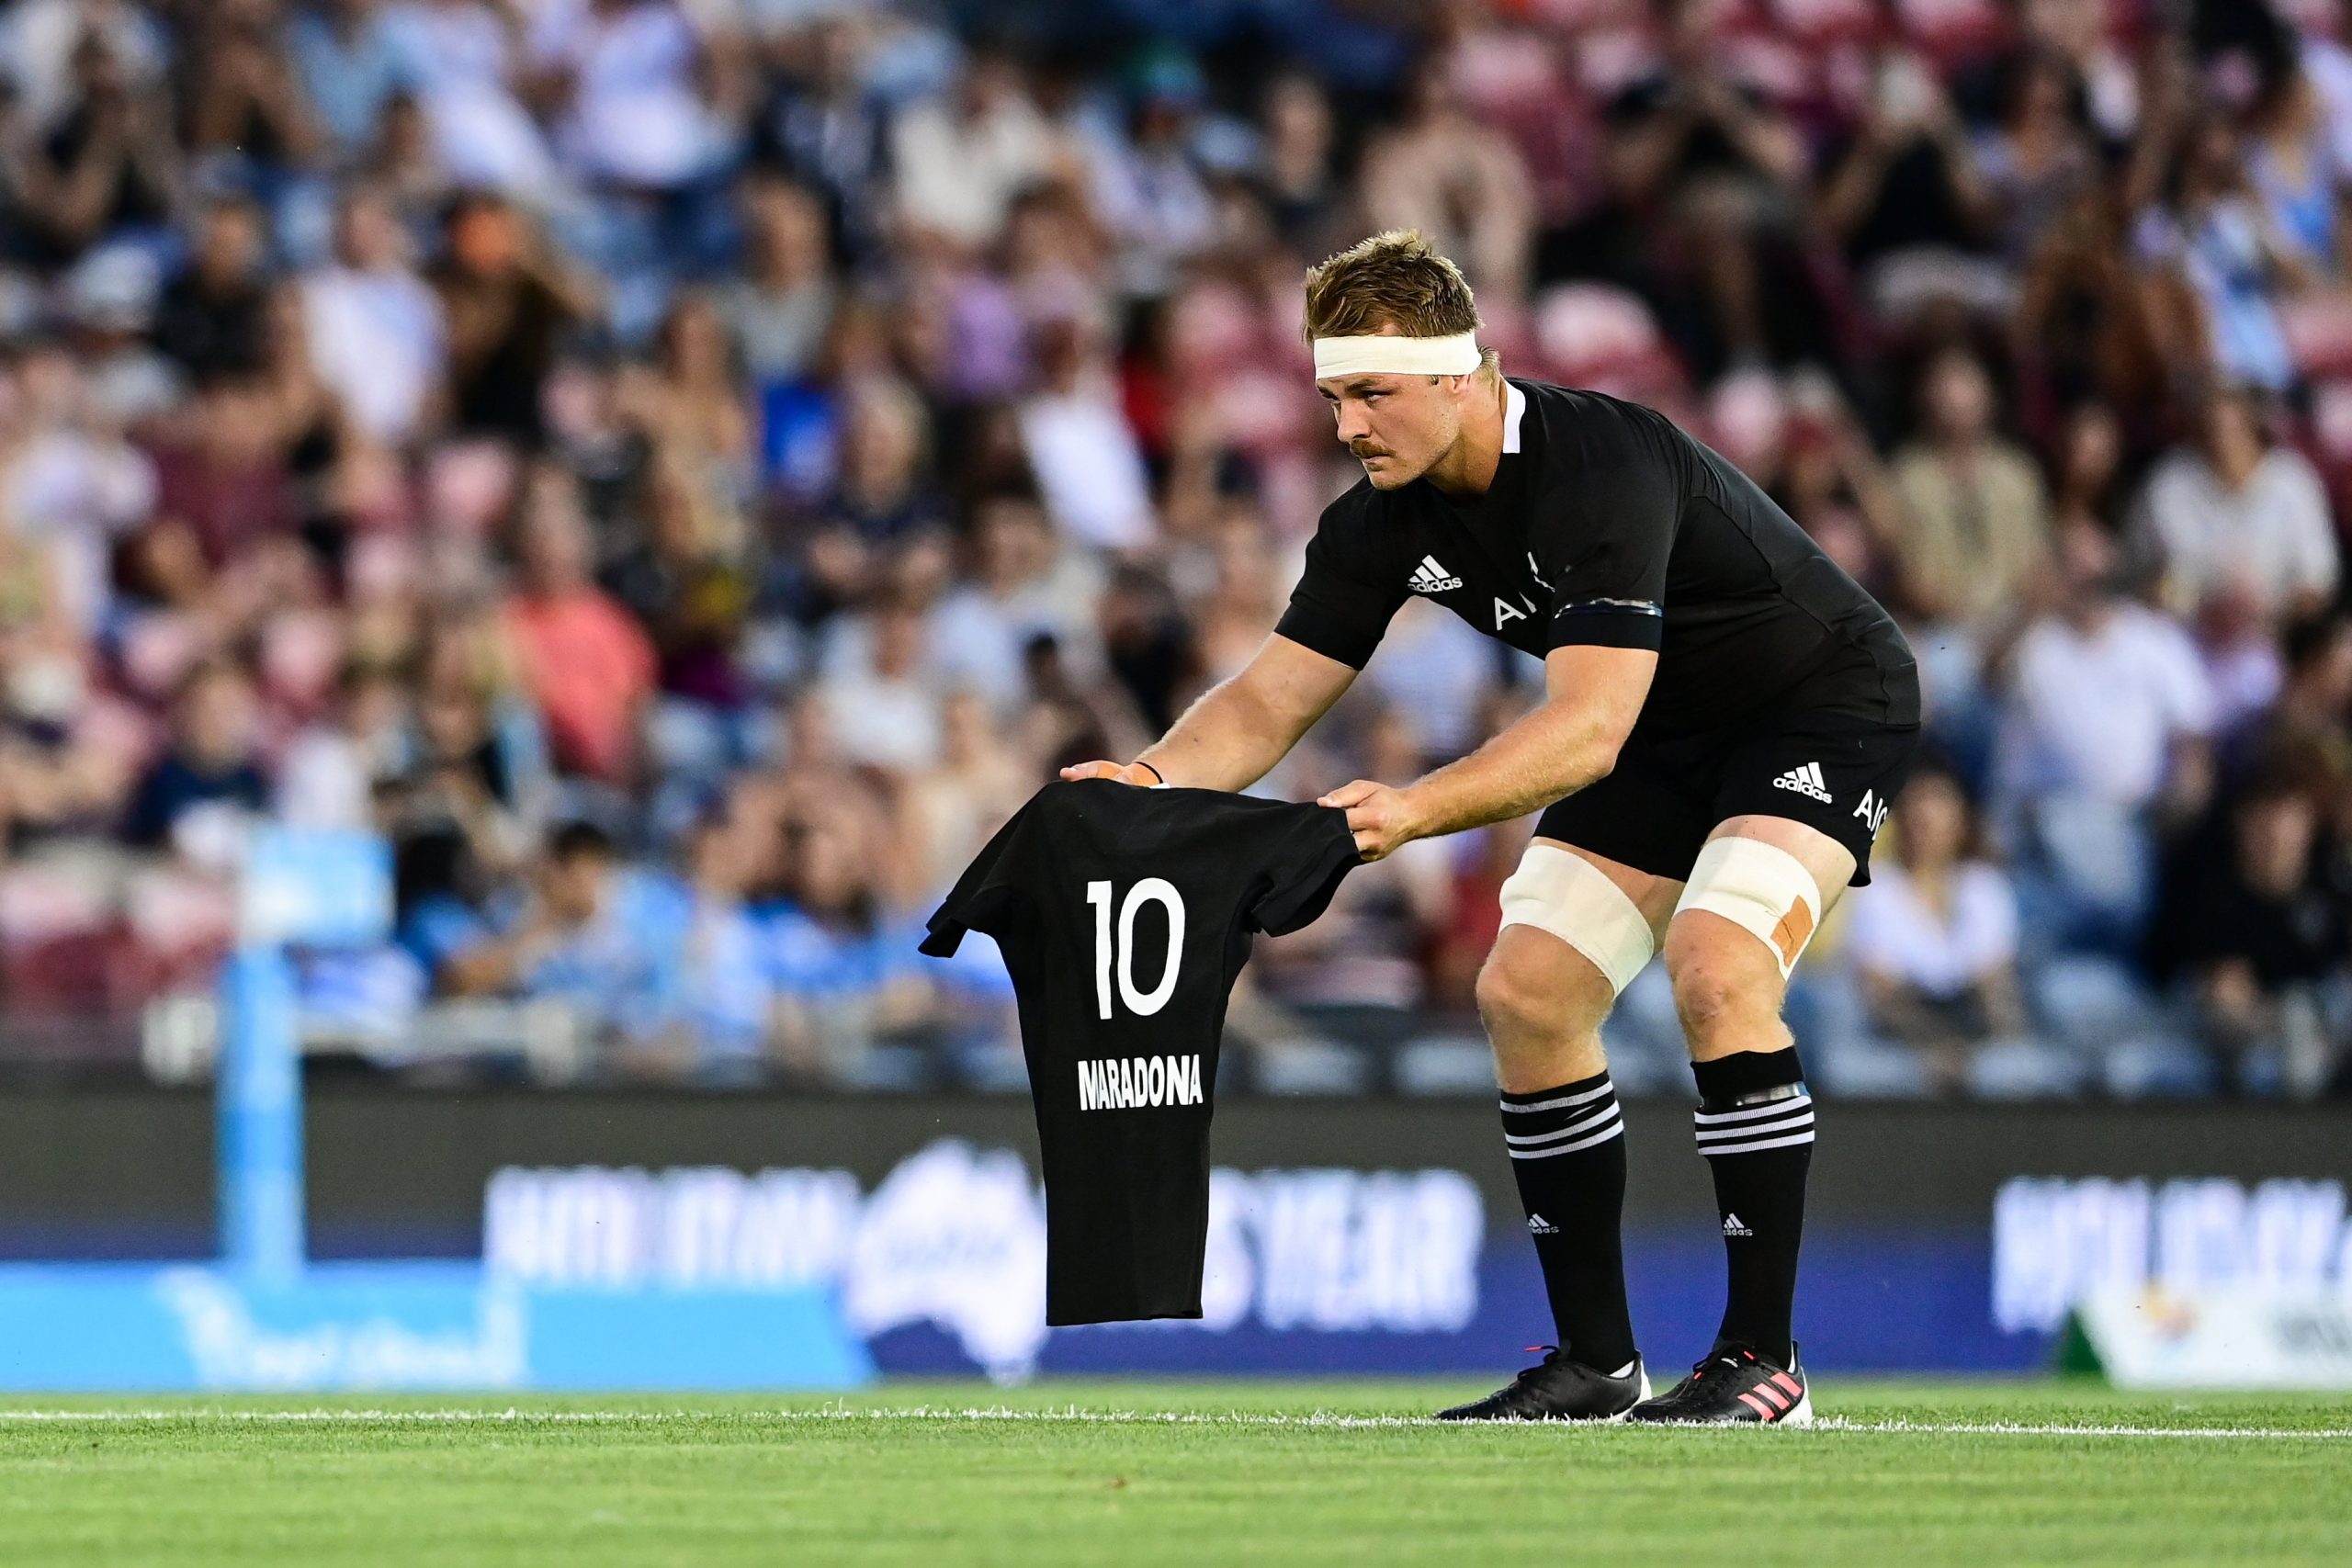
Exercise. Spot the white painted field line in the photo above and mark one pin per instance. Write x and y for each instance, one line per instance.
(1069, 1417)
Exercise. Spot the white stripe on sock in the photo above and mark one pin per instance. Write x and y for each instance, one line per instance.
(1614, 1130)
(1582, 1123)
(1555, 1103)
(1803, 1137)
(1738, 1137)
(1543, 1140)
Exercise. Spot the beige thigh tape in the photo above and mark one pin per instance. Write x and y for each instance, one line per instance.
(1759, 886)
(1574, 900)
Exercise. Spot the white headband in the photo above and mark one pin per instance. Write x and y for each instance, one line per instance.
(1379, 354)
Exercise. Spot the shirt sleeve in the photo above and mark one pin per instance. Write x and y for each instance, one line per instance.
(2312, 543)
(1341, 606)
(1313, 853)
(1604, 527)
(988, 895)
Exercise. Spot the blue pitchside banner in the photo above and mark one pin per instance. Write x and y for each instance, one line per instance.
(940, 1268)
(100, 1328)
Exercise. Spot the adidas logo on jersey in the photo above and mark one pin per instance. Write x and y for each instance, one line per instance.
(1538, 1225)
(1430, 578)
(1732, 1226)
(1806, 779)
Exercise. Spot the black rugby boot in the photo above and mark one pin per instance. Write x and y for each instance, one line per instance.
(1732, 1386)
(1557, 1389)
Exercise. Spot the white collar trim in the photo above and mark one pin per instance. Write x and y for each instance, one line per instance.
(1514, 410)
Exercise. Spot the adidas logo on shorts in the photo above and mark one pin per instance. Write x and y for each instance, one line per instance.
(1732, 1226)
(1538, 1225)
(1430, 578)
(1806, 780)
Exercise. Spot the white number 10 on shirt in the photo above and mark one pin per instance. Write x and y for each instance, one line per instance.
(1152, 889)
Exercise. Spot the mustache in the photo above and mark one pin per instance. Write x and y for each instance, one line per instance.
(1356, 450)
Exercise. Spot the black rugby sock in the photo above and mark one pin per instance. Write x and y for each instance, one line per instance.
(1755, 1125)
(1568, 1150)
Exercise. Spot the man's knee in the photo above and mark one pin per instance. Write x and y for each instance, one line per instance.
(1523, 992)
(1727, 987)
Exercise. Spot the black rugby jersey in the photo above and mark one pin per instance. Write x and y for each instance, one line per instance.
(1124, 915)
(1607, 525)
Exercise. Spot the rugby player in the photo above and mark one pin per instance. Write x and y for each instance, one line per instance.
(1725, 715)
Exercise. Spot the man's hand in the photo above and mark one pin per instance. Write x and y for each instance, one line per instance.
(1128, 772)
(1380, 818)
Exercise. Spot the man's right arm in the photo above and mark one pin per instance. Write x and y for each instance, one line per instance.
(1241, 726)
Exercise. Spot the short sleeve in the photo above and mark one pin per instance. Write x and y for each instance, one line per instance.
(1604, 526)
(1312, 852)
(987, 896)
(1340, 607)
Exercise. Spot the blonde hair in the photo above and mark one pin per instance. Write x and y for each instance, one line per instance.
(1395, 278)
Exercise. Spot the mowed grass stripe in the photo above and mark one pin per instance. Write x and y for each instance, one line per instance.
(976, 1414)
(1326, 1476)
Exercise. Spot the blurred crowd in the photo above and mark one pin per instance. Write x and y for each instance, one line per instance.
(686, 469)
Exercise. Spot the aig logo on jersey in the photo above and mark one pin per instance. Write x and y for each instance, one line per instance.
(1873, 810)
(1128, 1083)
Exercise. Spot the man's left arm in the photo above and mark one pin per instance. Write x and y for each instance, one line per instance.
(1592, 694)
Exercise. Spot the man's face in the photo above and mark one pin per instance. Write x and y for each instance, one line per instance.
(575, 887)
(1397, 426)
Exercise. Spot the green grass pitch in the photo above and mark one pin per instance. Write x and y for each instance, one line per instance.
(1899, 1475)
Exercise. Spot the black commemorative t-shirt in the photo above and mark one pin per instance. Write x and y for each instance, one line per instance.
(1607, 525)
(1124, 915)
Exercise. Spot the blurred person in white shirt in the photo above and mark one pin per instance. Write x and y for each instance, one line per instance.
(2104, 736)
(330, 772)
(2234, 509)
(1935, 937)
(885, 711)
(1085, 455)
(1025, 581)
(377, 335)
(643, 99)
(961, 158)
(461, 55)
(69, 482)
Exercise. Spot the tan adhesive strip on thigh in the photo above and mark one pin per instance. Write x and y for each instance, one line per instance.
(1758, 886)
(1574, 900)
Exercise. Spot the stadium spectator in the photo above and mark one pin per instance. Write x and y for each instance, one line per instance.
(197, 794)
(2108, 716)
(1462, 182)
(2236, 511)
(782, 304)
(2214, 270)
(507, 302)
(2253, 936)
(1907, 200)
(209, 319)
(604, 938)
(1934, 939)
(588, 665)
(351, 68)
(960, 158)
(375, 331)
(331, 771)
(1973, 528)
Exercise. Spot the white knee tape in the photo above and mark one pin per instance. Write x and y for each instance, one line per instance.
(1574, 900)
(1754, 885)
